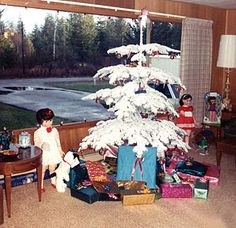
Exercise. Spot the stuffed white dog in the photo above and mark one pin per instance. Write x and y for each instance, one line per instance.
(62, 172)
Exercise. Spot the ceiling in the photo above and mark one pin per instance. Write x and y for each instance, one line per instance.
(225, 4)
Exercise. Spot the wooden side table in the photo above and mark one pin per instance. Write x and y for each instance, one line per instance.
(227, 145)
(25, 161)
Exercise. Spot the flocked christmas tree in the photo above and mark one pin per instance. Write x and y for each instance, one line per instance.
(136, 106)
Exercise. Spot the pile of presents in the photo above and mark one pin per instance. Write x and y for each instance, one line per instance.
(136, 181)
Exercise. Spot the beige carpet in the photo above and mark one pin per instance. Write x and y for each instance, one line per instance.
(61, 210)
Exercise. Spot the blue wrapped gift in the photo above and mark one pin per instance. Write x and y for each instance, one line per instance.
(191, 167)
(128, 162)
(78, 174)
(87, 194)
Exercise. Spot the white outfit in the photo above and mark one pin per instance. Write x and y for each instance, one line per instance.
(49, 142)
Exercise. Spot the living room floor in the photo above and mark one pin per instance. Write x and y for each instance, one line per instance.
(62, 210)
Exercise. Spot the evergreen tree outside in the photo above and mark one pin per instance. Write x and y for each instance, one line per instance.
(77, 45)
(166, 33)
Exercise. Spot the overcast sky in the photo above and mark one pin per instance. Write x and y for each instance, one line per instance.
(29, 16)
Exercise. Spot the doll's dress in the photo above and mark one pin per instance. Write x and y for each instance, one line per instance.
(49, 142)
(186, 121)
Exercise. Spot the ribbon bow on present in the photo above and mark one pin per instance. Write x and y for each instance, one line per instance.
(139, 162)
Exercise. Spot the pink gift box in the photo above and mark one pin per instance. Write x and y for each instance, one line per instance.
(212, 174)
(170, 190)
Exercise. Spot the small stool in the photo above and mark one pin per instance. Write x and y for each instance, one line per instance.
(227, 145)
(1, 206)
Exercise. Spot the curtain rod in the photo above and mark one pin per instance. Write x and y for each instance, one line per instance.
(111, 8)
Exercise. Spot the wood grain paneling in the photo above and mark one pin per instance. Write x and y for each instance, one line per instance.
(71, 135)
(231, 29)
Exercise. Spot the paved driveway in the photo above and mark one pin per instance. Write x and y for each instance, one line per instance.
(33, 94)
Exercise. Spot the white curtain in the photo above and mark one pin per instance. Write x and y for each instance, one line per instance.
(196, 60)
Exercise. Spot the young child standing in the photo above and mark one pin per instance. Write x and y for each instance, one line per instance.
(186, 120)
(47, 138)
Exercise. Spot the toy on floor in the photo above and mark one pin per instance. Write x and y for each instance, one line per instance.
(203, 139)
(70, 160)
(203, 145)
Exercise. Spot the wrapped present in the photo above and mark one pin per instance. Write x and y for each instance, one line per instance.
(108, 190)
(96, 171)
(106, 187)
(111, 161)
(175, 177)
(90, 195)
(191, 167)
(141, 169)
(87, 194)
(111, 164)
(172, 190)
(134, 185)
(137, 197)
(109, 197)
(78, 174)
(201, 188)
(212, 174)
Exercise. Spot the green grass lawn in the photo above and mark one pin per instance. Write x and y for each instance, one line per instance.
(83, 86)
(16, 118)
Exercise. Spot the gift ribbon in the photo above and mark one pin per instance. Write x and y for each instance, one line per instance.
(137, 161)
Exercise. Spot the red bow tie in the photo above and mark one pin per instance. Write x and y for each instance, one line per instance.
(49, 129)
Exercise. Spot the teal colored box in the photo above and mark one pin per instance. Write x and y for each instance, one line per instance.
(126, 161)
(201, 189)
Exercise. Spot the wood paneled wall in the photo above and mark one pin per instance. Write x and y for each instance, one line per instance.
(230, 28)
(71, 135)
(223, 22)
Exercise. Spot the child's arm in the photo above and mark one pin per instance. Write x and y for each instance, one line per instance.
(37, 140)
(181, 111)
(57, 137)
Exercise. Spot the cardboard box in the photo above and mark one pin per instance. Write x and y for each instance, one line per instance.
(201, 188)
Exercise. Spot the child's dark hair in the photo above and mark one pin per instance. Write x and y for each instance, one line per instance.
(184, 97)
(44, 114)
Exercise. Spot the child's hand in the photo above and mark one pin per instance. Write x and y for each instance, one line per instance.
(181, 113)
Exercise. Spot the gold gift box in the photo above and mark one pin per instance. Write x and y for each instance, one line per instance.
(138, 199)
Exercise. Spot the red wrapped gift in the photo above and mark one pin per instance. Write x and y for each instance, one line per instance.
(96, 171)
(169, 190)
